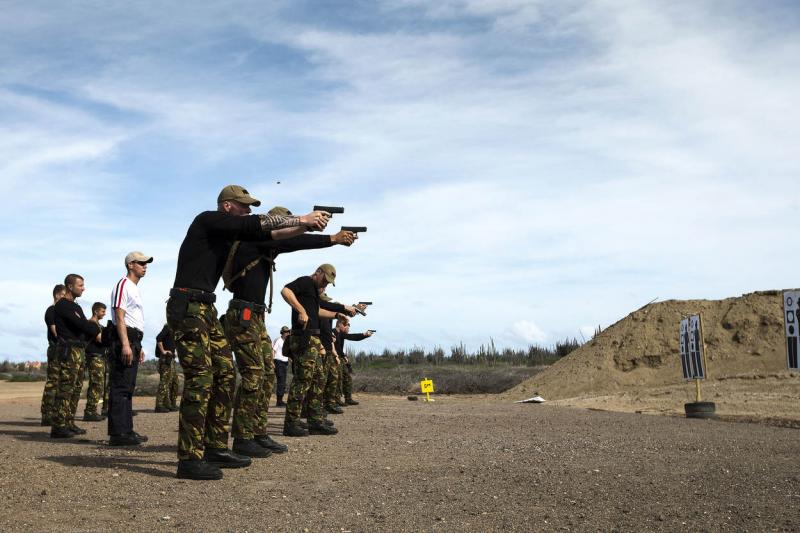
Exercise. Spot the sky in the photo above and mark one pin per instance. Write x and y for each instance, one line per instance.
(528, 170)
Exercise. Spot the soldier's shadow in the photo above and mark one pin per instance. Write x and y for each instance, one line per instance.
(131, 464)
(38, 423)
(44, 436)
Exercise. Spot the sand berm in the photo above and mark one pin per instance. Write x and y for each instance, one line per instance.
(634, 364)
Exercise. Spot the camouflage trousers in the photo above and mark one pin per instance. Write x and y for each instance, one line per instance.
(51, 385)
(96, 370)
(209, 377)
(331, 379)
(167, 395)
(252, 348)
(106, 382)
(308, 379)
(78, 387)
(70, 359)
(345, 384)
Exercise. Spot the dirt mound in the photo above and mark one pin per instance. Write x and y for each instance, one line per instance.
(744, 336)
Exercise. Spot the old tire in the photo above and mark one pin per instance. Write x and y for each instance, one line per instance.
(700, 409)
(412, 398)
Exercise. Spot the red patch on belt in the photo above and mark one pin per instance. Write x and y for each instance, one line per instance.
(246, 313)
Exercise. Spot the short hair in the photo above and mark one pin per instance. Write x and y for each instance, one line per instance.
(71, 279)
(98, 305)
(58, 289)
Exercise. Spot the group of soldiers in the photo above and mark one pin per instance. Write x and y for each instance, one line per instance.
(241, 249)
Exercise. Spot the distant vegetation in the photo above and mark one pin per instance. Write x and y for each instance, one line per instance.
(483, 371)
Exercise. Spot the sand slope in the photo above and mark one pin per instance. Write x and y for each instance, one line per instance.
(744, 337)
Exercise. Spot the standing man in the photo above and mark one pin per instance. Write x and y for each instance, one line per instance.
(281, 366)
(204, 354)
(128, 319)
(167, 396)
(96, 355)
(331, 357)
(346, 369)
(51, 385)
(73, 330)
(253, 264)
(307, 352)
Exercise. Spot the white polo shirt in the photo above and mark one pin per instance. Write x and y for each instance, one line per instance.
(126, 296)
(277, 350)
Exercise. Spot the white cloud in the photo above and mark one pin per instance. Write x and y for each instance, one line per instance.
(529, 332)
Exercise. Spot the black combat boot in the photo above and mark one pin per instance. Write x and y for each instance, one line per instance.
(321, 429)
(294, 430)
(328, 422)
(197, 469)
(267, 442)
(124, 440)
(350, 401)
(160, 409)
(173, 408)
(142, 438)
(250, 448)
(280, 402)
(62, 432)
(224, 458)
(75, 429)
(334, 409)
(92, 417)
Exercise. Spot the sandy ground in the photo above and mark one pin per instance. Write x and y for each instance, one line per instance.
(773, 400)
(458, 464)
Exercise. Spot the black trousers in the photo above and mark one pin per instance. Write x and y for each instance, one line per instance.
(120, 397)
(280, 377)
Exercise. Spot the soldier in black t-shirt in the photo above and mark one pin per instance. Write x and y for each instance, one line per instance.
(96, 358)
(74, 332)
(307, 352)
(167, 396)
(203, 351)
(344, 384)
(250, 272)
(51, 385)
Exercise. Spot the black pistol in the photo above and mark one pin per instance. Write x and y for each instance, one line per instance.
(329, 209)
(355, 229)
(359, 311)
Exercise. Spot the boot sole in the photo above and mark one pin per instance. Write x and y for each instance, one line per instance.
(215, 477)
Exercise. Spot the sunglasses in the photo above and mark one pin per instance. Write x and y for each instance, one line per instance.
(141, 263)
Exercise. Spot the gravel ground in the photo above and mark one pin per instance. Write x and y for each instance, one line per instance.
(459, 464)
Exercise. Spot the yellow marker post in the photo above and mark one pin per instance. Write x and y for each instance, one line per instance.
(426, 386)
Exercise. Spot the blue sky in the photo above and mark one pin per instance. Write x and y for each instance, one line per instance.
(528, 170)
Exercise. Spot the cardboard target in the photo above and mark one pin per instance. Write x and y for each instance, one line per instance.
(691, 348)
(791, 308)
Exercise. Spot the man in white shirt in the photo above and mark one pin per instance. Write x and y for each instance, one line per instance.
(281, 363)
(127, 314)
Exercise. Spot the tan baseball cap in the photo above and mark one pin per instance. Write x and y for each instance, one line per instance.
(136, 257)
(281, 211)
(285, 329)
(237, 193)
(330, 273)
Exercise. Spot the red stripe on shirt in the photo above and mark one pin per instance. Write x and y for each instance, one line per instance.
(120, 286)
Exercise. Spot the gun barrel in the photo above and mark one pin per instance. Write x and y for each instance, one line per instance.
(329, 209)
(355, 229)
(365, 303)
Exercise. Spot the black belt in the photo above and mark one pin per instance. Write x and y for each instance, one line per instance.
(64, 342)
(194, 295)
(305, 331)
(244, 304)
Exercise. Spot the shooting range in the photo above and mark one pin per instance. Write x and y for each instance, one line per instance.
(791, 306)
(693, 363)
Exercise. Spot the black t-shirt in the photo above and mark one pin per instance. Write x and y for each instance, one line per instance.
(166, 338)
(308, 296)
(326, 324)
(205, 248)
(340, 338)
(94, 347)
(71, 323)
(50, 320)
(252, 287)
